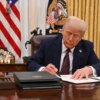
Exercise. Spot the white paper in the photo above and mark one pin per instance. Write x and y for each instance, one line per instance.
(68, 79)
(96, 78)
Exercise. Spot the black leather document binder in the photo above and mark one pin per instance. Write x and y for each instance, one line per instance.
(36, 80)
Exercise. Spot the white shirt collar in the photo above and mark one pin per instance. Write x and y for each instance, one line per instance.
(64, 48)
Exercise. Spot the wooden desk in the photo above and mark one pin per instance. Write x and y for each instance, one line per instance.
(68, 92)
(13, 67)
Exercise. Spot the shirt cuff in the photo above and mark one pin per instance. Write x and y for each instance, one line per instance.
(41, 68)
(94, 71)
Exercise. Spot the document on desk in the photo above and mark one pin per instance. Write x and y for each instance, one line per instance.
(67, 78)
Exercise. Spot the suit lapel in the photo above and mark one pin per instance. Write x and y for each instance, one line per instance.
(77, 57)
(57, 55)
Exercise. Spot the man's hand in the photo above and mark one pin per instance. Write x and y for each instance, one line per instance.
(51, 69)
(83, 72)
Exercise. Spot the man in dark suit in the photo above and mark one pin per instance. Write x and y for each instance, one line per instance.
(83, 60)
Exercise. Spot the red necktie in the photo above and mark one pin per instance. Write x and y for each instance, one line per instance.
(66, 63)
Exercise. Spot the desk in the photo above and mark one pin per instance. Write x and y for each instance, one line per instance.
(13, 67)
(68, 92)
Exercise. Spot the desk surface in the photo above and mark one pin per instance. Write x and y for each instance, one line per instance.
(68, 92)
(13, 67)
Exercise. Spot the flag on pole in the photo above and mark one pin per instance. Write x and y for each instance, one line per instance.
(58, 11)
(51, 19)
(10, 34)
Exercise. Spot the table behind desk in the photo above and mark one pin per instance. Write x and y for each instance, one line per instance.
(68, 92)
(13, 67)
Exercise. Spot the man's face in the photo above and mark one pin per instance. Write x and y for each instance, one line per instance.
(71, 37)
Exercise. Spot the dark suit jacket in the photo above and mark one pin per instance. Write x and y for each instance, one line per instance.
(50, 52)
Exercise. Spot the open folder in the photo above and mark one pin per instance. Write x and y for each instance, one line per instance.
(68, 78)
(36, 80)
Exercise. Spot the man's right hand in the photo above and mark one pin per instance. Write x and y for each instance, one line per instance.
(51, 69)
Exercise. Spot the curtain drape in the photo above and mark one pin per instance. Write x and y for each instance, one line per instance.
(88, 10)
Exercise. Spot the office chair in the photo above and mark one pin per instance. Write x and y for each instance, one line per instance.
(35, 44)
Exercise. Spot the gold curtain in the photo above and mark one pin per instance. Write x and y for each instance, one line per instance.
(88, 10)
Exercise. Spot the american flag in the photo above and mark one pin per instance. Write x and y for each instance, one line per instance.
(10, 34)
(51, 19)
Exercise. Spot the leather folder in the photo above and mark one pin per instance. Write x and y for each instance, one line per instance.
(36, 80)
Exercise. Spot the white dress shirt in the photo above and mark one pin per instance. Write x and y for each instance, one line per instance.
(63, 53)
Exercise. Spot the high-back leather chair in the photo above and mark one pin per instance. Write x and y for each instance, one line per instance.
(35, 41)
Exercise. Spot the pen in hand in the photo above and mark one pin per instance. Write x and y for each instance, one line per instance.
(58, 74)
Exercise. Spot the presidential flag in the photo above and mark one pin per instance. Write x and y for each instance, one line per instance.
(10, 34)
(56, 11)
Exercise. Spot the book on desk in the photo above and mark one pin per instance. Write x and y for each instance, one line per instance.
(36, 80)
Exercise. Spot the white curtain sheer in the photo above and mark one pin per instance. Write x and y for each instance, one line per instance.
(24, 27)
(37, 14)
